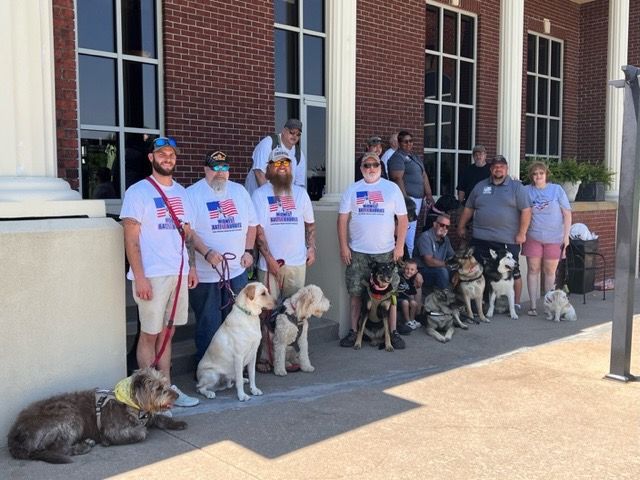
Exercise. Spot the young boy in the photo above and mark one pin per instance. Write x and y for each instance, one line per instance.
(410, 293)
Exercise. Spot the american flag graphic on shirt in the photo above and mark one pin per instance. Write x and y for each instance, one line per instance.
(285, 201)
(227, 207)
(373, 197)
(174, 202)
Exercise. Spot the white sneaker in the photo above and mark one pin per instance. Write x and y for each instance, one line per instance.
(183, 399)
(413, 324)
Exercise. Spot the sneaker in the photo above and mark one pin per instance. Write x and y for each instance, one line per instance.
(412, 324)
(396, 341)
(350, 340)
(183, 399)
(403, 329)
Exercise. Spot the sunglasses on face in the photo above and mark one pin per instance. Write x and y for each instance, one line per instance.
(407, 141)
(443, 225)
(220, 168)
(370, 165)
(281, 163)
(295, 134)
(164, 142)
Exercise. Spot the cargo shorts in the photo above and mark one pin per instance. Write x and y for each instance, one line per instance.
(359, 270)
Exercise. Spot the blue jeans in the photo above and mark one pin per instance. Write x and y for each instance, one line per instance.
(206, 300)
(435, 276)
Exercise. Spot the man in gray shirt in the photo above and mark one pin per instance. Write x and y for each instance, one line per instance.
(434, 249)
(501, 214)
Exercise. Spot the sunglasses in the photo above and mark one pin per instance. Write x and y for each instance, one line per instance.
(295, 134)
(164, 142)
(370, 165)
(406, 141)
(281, 163)
(220, 168)
(443, 225)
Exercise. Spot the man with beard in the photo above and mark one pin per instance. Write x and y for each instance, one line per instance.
(155, 253)
(225, 220)
(366, 228)
(501, 212)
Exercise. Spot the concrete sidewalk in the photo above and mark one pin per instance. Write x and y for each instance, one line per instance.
(512, 399)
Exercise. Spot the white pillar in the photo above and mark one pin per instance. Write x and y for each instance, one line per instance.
(341, 97)
(616, 59)
(27, 123)
(510, 82)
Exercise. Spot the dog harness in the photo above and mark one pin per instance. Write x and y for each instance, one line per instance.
(121, 393)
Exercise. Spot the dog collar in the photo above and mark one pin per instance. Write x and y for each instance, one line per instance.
(243, 310)
(122, 392)
(472, 279)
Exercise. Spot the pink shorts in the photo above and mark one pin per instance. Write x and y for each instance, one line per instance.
(546, 251)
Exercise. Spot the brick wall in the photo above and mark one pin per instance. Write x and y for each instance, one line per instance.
(64, 41)
(219, 80)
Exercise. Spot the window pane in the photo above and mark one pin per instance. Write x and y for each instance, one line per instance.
(450, 32)
(447, 180)
(448, 137)
(531, 53)
(543, 56)
(466, 36)
(432, 29)
(100, 174)
(313, 65)
(543, 92)
(313, 15)
(96, 25)
(98, 98)
(140, 95)
(531, 136)
(531, 94)
(541, 144)
(431, 77)
(286, 12)
(556, 49)
(139, 28)
(448, 80)
(430, 164)
(464, 161)
(136, 161)
(465, 129)
(286, 61)
(431, 125)
(466, 83)
(315, 130)
(554, 137)
(286, 108)
(555, 99)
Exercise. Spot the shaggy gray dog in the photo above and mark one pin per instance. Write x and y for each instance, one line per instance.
(71, 424)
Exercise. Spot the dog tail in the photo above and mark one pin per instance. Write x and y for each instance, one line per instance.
(50, 456)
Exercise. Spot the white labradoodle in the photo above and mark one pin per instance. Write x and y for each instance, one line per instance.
(557, 307)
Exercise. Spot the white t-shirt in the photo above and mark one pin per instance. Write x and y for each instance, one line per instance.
(372, 207)
(221, 220)
(386, 156)
(261, 158)
(282, 218)
(160, 241)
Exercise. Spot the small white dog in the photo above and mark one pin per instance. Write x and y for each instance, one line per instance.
(235, 345)
(557, 307)
(292, 324)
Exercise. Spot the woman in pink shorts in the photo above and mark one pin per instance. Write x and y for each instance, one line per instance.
(548, 231)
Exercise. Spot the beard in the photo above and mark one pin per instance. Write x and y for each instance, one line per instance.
(218, 185)
(281, 183)
(161, 170)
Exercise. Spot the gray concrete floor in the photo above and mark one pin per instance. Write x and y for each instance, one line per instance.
(511, 399)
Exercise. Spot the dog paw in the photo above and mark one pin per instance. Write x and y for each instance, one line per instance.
(177, 425)
(281, 372)
(357, 346)
(243, 397)
(206, 393)
(256, 392)
(389, 349)
(514, 317)
(90, 442)
(307, 368)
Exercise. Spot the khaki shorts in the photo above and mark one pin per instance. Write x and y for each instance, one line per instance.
(359, 270)
(154, 314)
(293, 280)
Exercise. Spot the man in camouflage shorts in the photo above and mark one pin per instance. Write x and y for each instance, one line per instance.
(368, 233)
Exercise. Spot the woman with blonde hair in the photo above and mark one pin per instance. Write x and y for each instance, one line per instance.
(548, 232)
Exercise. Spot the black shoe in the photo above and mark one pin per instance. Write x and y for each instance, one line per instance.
(396, 341)
(350, 340)
(404, 329)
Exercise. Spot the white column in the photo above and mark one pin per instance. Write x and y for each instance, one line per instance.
(341, 97)
(27, 102)
(510, 82)
(616, 59)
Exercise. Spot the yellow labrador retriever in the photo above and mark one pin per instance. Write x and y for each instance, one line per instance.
(235, 345)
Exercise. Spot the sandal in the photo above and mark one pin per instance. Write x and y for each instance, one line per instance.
(294, 367)
(532, 312)
(264, 367)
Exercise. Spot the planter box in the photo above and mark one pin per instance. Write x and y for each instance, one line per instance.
(591, 192)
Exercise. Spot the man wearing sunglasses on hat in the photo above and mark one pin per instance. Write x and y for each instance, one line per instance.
(434, 249)
(367, 234)
(289, 140)
(225, 220)
(155, 253)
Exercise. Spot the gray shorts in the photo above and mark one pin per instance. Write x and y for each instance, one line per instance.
(359, 270)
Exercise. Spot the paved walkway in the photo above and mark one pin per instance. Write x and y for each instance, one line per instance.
(519, 399)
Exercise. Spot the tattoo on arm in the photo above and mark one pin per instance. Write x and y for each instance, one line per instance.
(261, 242)
(310, 234)
(191, 250)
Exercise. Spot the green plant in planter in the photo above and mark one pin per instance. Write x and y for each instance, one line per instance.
(567, 171)
(597, 173)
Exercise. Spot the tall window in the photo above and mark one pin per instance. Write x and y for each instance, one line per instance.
(300, 37)
(449, 103)
(544, 96)
(120, 92)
